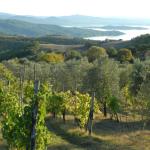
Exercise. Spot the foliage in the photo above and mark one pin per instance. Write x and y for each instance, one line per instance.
(17, 47)
(125, 55)
(66, 97)
(52, 57)
(138, 75)
(77, 104)
(103, 79)
(112, 52)
(54, 104)
(16, 116)
(6, 74)
(114, 105)
(143, 95)
(95, 53)
(80, 107)
(72, 54)
(41, 129)
(125, 75)
(10, 115)
(69, 75)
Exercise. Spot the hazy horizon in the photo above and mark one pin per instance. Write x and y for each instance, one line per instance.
(96, 8)
(44, 16)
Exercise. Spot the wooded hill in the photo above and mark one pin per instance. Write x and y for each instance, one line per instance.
(18, 46)
(21, 28)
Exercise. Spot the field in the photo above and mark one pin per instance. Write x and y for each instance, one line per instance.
(62, 48)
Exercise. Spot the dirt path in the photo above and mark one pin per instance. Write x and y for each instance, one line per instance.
(79, 142)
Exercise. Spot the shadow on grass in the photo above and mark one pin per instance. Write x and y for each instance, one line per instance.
(85, 142)
(111, 126)
(3, 147)
(61, 147)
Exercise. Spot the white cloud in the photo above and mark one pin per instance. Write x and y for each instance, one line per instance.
(117, 8)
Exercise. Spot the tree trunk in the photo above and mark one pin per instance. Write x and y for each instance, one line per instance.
(105, 109)
(64, 116)
(54, 115)
(90, 119)
(27, 147)
(34, 116)
(117, 118)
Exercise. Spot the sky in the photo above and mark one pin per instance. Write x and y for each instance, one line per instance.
(101, 8)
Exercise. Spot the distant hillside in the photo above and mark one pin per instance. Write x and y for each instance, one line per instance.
(5, 15)
(123, 28)
(77, 20)
(140, 46)
(19, 46)
(139, 42)
(15, 27)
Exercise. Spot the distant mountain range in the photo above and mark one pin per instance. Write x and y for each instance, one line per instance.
(16, 27)
(74, 26)
(76, 20)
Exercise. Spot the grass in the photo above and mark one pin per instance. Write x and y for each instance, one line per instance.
(107, 135)
(2, 145)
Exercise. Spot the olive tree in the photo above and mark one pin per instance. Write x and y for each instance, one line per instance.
(103, 79)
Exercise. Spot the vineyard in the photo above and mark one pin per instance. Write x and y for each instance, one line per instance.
(74, 75)
(78, 103)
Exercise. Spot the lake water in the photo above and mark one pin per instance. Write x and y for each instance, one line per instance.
(129, 34)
